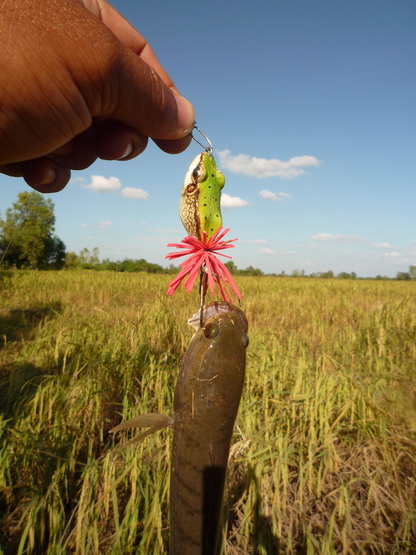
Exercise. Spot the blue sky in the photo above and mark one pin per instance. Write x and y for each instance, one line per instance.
(311, 108)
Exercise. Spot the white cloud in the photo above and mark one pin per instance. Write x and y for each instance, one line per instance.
(132, 192)
(392, 254)
(266, 250)
(339, 238)
(102, 184)
(105, 224)
(263, 167)
(382, 246)
(84, 225)
(269, 195)
(75, 180)
(227, 201)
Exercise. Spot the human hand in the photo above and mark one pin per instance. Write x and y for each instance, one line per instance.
(78, 83)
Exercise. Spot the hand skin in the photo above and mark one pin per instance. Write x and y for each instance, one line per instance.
(78, 83)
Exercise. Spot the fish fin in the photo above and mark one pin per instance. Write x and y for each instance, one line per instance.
(152, 420)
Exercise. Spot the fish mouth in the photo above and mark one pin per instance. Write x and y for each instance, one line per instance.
(211, 311)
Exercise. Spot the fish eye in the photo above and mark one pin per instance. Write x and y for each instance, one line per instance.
(199, 173)
(211, 330)
(244, 340)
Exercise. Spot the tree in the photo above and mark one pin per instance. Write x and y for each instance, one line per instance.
(71, 260)
(298, 273)
(403, 276)
(251, 271)
(26, 234)
(84, 256)
(346, 275)
(232, 268)
(55, 253)
(89, 260)
(95, 256)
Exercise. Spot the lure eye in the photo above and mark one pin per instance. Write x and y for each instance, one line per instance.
(199, 174)
(211, 331)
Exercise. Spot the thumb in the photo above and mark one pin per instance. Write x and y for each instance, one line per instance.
(145, 103)
(133, 93)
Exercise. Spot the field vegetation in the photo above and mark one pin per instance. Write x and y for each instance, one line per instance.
(324, 453)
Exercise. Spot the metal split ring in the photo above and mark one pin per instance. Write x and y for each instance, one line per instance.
(209, 149)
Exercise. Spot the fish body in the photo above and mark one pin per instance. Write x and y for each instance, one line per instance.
(200, 209)
(207, 397)
(206, 401)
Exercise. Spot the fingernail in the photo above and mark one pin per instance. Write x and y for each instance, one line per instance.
(186, 115)
(127, 152)
(49, 176)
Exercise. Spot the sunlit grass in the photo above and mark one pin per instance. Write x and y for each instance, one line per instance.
(324, 453)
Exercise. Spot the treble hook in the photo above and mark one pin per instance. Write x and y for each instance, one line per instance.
(208, 149)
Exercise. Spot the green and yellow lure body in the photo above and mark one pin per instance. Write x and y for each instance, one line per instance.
(201, 194)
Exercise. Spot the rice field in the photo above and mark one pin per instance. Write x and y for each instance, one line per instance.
(323, 458)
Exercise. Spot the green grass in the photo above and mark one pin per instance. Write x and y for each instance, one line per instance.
(324, 453)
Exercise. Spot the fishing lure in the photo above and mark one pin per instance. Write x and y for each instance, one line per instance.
(200, 208)
(200, 212)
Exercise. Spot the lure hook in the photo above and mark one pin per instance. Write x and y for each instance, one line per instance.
(209, 149)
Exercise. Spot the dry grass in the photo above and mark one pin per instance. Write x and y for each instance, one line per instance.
(324, 457)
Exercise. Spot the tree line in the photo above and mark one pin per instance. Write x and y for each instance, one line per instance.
(28, 241)
(90, 260)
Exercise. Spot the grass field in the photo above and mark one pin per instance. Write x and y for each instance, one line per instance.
(324, 454)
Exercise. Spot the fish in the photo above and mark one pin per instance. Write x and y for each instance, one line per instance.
(206, 401)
